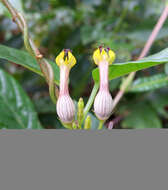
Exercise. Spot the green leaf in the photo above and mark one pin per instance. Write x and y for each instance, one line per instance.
(24, 59)
(159, 101)
(114, 84)
(141, 115)
(17, 111)
(120, 69)
(143, 35)
(149, 83)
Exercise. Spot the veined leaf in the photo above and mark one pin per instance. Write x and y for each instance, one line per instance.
(16, 109)
(149, 83)
(120, 69)
(24, 59)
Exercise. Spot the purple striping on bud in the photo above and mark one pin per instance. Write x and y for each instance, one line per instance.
(103, 102)
(65, 109)
(103, 105)
(65, 106)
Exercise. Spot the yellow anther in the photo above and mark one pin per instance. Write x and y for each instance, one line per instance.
(65, 57)
(103, 54)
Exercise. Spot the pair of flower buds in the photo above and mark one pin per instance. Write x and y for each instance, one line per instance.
(103, 102)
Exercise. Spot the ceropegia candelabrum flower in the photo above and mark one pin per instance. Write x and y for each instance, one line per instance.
(65, 106)
(103, 102)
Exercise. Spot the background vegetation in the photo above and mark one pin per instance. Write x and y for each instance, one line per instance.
(83, 25)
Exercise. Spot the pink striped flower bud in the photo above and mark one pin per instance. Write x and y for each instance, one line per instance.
(65, 106)
(103, 102)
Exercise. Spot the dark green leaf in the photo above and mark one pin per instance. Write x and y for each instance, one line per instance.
(50, 121)
(24, 59)
(149, 83)
(114, 84)
(159, 101)
(17, 111)
(44, 105)
(143, 35)
(141, 115)
(120, 69)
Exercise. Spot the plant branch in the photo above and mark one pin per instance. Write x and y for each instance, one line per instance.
(91, 100)
(45, 67)
(144, 52)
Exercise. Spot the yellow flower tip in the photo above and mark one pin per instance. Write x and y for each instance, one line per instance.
(103, 54)
(65, 58)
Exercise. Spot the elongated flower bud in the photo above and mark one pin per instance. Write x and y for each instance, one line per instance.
(80, 109)
(103, 103)
(88, 122)
(65, 106)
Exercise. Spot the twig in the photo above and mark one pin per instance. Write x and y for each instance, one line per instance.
(144, 52)
(45, 67)
(114, 121)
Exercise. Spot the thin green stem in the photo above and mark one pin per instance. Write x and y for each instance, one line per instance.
(45, 67)
(26, 35)
(91, 100)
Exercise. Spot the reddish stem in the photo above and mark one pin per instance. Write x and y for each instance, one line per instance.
(146, 49)
(154, 33)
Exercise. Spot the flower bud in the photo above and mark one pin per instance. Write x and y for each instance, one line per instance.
(65, 106)
(87, 124)
(65, 109)
(80, 109)
(103, 103)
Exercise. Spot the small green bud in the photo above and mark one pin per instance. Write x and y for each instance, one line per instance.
(88, 123)
(80, 109)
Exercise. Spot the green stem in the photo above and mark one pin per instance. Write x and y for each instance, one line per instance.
(45, 67)
(26, 34)
(100, 124)
(91, 100)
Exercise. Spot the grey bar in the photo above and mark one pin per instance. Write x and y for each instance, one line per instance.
(84, 160)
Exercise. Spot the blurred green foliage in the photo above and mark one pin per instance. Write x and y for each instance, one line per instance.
(82, 25)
